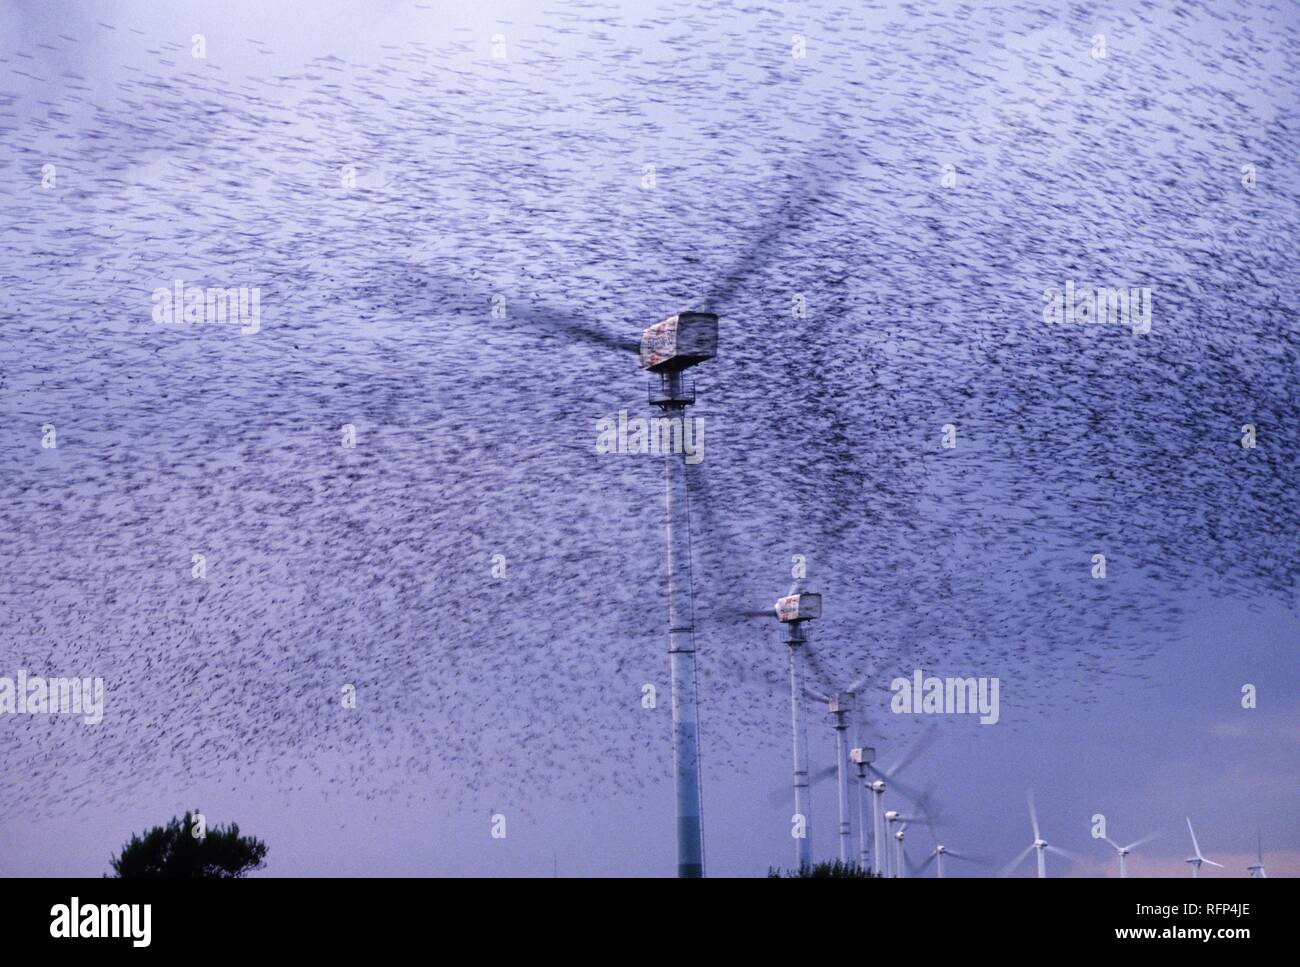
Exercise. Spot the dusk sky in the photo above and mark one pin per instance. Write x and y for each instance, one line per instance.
(380, 476)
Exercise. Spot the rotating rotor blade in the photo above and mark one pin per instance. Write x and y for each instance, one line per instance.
(804, 190)
(785, 793)
(1141, 842)
(917, 746)
(819, 673)
(977, 858)
(1010, 867)
(1068, 854)
(1033, 814)
(1212, 863)
(1112, 842)
(526, 315)
(910, 793)
(1196, 847)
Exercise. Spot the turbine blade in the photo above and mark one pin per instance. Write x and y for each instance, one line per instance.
(918, 745)
(803, 193)
(525, 315)
(1212, 863)
(785, 793)
(819, 674)
(1195, 845)
(1112, 842)
(1033, 813)
(1006, 870)
(1068, 854)
(1141, 842)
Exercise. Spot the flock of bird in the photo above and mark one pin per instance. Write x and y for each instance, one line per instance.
(464, 304)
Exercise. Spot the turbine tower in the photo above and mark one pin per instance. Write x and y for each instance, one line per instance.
(862, 757)
(841, 704)
(1198, 859)
(794, 610)
(668, 348)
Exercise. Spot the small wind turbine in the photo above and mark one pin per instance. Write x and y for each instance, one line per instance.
(900, 855)
(878, 786)
(1039, 846)
(862, 757)
(1123, 851)
(940, 851)
(1257, 870)
(893, 816)
(841, 703)
(794, 609)
(1198, 859)
(668, 349)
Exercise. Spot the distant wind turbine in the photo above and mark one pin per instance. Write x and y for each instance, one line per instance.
(1257, 869)
(1123, 851)
(1039, 846)
(1198, 859)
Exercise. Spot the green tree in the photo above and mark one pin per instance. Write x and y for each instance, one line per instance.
(176, 851)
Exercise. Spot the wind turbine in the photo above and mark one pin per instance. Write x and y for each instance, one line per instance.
(899, 868)
(1123, 851)
(1198, 859)
(891, 817)
(900, 855)
(793, 610)
(668, 348)
(841, 706)
(878, 786)
(1039, 846)
(862, 757)
(1257, 870)
(940, 851)
(841, 703)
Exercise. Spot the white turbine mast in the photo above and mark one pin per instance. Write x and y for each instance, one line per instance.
(793, 610)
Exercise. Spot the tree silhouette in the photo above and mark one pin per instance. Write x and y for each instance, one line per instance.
(175, 851)
(824, 871)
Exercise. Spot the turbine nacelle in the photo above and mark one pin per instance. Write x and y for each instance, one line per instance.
(804, 606)
(679, 342)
